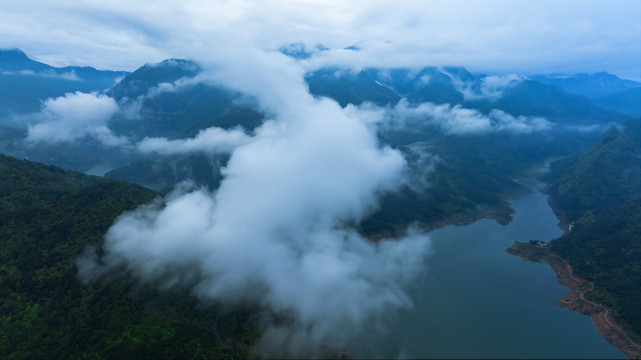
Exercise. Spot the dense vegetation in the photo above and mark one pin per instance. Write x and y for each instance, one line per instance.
(473, 176)
(599, 193)
(47, 217)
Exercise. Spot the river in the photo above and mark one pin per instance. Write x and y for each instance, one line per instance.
(477, 301)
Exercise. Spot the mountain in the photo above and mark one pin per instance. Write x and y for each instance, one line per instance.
(24, 83)
(428, 84)
(625, 101)
(591, 86)
(180, 111)
(607, 173)
(47, 217)
(387, 86)
(532, 98)
(170, 104)
(599, 193)
(150, 75)
(348, 87)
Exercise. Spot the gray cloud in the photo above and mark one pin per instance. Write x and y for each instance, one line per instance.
(74, 116)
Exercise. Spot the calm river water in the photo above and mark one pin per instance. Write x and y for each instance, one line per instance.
(477, 301)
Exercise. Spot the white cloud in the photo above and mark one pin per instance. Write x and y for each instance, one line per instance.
(71, 75)
(212, 140)
(487, 87)
(454, 119)
(493, 86)
(74, 116)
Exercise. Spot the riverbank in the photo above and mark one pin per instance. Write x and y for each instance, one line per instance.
(576, 300)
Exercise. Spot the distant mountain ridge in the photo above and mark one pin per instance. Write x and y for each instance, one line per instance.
(17, 60)
(166, 99)
(532, 98)
(626, 101)
(591, 86)
(24, 82)
(150, 75)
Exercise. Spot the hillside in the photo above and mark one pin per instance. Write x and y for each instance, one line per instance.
(48, 216)
(599, 193)
(350, 88)
(625, 101)
(607, 173)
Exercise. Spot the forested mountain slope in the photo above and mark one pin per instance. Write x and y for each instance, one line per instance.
(599, 193)
(47, 217)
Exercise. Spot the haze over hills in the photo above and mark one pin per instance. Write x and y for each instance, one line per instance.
(308, 172)
(624, 101)
(591, 86)
(25, 82)
(175, 100)
(531, 98)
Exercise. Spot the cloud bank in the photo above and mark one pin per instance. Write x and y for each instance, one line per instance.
(74, 116)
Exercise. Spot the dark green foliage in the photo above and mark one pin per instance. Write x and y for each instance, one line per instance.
(598, 192)
(473, 178)
(48, 216)
(150, 75)
(605, 247)
(27, 184)
(608, 173)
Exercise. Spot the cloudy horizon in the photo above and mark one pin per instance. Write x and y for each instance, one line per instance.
(498, 36)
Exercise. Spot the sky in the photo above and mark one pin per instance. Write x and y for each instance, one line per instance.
(497, 36)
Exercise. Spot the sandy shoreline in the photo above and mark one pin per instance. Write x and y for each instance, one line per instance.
(576, 299)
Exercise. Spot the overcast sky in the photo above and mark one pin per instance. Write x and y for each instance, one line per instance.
(498, 36)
